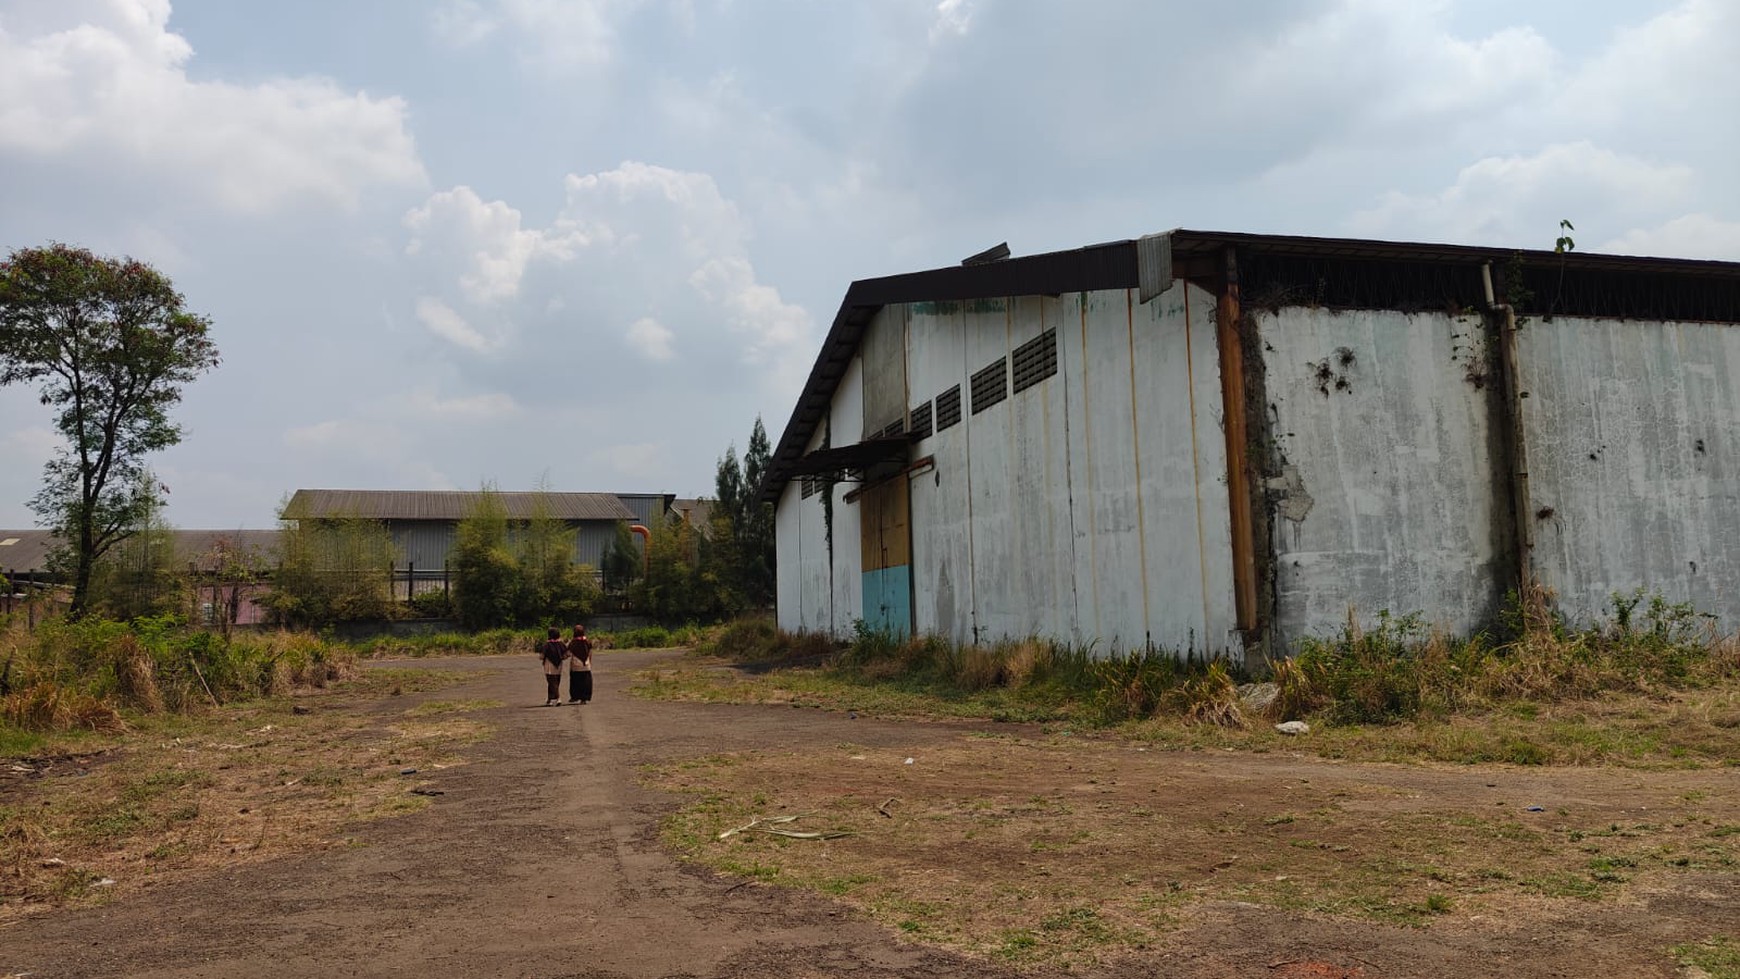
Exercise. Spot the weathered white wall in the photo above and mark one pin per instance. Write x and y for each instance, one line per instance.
(1090, 507)
(1634, 461)
(846, 421)
(789, 583)
(1391, 503)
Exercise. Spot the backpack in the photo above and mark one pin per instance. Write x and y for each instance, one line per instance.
(554, 651)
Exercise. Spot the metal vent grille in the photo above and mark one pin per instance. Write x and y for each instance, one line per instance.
(990, 385)
(807, 486)
(921, 420)
(948, 408)
(1035, 360)
(895, 427)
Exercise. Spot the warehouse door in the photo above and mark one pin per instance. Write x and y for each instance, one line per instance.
(885, 527)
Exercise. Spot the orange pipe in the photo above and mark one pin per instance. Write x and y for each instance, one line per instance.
(646, 551)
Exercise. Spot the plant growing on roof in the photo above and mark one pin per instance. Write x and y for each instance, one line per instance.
(111, 344)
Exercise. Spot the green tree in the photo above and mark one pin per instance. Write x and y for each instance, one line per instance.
(622, 562)
(140, 575)
(755, 543)
(336, 569)
(111, 345)
(517, 572)
(485, 575)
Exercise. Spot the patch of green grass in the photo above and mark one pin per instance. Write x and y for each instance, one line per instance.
(18, 743)
(1719, 956)
(452, 706)
(841, 886)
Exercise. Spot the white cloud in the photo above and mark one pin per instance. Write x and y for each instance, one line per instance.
(444, 322)
(485, 239)
(425, 403)
(651, 339)
(1688, 236)
(462, 23)
(104, 85)
(1520, 199)
(953, 18)
(561, 34)
(664, 247)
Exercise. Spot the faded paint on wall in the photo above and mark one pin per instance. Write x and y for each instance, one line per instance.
(1089, 507)
(1634, 455)
(1389, 500)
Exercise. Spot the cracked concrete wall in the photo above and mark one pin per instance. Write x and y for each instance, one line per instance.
(1386, 497)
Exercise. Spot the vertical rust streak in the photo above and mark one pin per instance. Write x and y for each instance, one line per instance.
(1519, 453)
(1238, 474)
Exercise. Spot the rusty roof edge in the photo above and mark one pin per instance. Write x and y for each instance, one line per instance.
(1103, 266)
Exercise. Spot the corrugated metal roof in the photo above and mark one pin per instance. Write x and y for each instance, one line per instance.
(315, 504)
(1115, 265)
(206, 549)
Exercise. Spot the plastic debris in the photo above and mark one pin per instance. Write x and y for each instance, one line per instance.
(907, 762)
(760, 825)
(1534, 809)
(1293, 727)
(407, 771)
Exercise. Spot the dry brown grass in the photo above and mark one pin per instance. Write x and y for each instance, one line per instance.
(1079, 851)
(47, 706)
(244, 783)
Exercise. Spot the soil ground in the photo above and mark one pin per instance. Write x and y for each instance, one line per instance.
(543, 857)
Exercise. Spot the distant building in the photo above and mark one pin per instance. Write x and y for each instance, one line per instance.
(201, 550)
(1222, 442)
(423, 522)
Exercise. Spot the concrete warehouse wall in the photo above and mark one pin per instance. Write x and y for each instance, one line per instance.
(1391, 479)
(1634, 468)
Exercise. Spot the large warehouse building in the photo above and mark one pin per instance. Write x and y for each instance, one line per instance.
(1223, 442)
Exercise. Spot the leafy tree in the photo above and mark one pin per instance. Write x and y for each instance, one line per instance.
(683, 580)
(755, 540)
(332, 570)
(517, 572)
(622, 562)
(140, 575)
(485, 575)
(743, 525)
(111, 345)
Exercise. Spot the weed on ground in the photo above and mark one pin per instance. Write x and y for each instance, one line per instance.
(1075, 851)
(85, 816)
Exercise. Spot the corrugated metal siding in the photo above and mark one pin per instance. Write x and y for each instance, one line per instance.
(1025, 528)
(426, 543)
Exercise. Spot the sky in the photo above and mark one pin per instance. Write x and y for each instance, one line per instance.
(583, 244)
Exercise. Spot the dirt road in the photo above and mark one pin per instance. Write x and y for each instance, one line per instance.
(542, 859)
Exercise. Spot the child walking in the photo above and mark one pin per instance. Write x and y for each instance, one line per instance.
(552, 653)
(580, 667)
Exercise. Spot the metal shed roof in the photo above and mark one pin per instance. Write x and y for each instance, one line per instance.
(207, 549)
(316, 504)
(1282, 269)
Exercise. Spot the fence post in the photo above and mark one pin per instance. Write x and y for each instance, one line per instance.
(410, 581)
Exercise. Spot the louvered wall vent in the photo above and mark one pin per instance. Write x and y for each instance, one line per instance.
(948, 408)
(990, 385)
(1035, 361)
